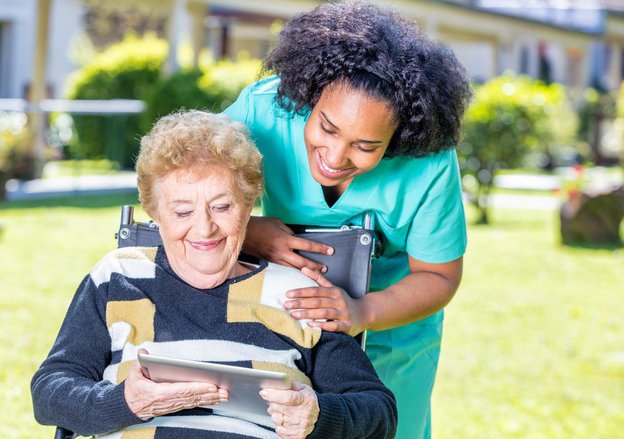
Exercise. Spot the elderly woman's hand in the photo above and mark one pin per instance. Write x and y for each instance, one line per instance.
(328, 306)
(148, 399)
(294, 412)
(271, 239)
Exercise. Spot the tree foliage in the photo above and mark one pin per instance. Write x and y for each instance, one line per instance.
(213, 87)
(15, 158)
(510, 117)
(124, 70)
(132, 69)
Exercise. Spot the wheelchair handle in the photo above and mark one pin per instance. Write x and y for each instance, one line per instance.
(127, 215)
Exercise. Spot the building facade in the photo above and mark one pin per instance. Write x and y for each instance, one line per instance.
(576, 47)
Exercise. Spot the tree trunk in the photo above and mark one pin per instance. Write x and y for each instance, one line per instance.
(3, 179)
(482, 203)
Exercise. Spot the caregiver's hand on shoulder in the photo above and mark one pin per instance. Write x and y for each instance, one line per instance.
(271, 239)
(326, 302)
(147, 399)
(294, 412)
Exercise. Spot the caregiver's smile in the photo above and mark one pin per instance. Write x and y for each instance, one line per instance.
(347, 134)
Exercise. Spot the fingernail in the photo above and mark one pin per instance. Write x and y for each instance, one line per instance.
(263, 393)
(330, 251)
(324, 269)
(295, 314)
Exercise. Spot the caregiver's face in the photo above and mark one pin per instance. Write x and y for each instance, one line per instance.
(202, 217)
(347, 134)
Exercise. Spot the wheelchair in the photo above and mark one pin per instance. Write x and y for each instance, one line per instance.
(349, 267)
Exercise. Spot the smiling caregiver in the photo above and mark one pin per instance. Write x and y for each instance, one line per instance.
(363, 115)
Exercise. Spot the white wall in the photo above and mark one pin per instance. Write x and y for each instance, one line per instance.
(65, 26)
(19, 26)
(477, 58)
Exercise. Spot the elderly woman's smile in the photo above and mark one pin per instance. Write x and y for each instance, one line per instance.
(202, 216)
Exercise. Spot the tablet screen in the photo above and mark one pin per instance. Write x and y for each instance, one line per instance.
(243, 383)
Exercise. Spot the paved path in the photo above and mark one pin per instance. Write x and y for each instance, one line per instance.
(126, 182)
(71, 186)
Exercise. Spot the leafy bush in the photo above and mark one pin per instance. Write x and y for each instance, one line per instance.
(124, 70)
(213, 87)
(14, 156)
(510, 117)
(617, 136)
(171, 93)
(596, 108)
(225, 79)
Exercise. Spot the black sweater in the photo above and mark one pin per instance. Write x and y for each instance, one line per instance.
(132, 299)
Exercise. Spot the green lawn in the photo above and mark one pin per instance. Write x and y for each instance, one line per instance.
(534, 341)
(533, 344)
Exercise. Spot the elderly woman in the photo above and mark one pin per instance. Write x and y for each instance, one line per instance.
(199, 176)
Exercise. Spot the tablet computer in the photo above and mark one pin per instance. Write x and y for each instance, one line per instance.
(243, 384)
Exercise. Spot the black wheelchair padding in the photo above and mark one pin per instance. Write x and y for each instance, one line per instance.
(138, 235)
(349, 266)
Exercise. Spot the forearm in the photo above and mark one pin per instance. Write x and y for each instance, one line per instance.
(80, 404)
(68, 389)
(353, 402)
(418, 295)
(359, 415)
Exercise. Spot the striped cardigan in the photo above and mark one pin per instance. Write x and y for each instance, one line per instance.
(132, 299)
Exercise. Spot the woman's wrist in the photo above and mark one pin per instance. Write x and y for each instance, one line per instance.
(367, 311)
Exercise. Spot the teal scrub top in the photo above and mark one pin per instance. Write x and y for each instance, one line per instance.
(416, 202)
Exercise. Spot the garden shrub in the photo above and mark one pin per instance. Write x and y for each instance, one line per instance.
(618, 124)
(14, 155)
(510, 117)
(225, 79)
(173, 92)
(213, 87)
(124, 70)
(595, 108)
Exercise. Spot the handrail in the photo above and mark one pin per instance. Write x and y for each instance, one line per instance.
(76, 106)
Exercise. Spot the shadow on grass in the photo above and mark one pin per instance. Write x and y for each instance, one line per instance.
(588, 246)
(510, 223)
(84, 201)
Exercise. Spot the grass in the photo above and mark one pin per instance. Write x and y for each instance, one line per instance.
(533, 341)
(532, 347)
(46, 247)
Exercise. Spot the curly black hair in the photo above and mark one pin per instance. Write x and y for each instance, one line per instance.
(383, 54)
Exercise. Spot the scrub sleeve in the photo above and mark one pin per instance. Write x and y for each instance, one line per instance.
(417, 208)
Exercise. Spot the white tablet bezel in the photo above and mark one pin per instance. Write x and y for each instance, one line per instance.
(243, 384)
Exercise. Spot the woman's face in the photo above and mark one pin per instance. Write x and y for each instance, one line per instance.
(347, 134)
(202, 217)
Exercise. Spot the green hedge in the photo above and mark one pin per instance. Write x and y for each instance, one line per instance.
(132, 69)
(124, 70)
(510, 117)
(212, 88)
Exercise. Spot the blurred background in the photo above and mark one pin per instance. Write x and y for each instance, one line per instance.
(533, 345)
